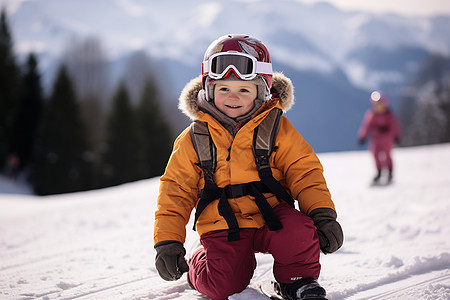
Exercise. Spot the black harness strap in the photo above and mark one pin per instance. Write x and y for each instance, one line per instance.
(266, 210)
(227, 213)
(208, 160)
(244, 189)
(263, 146)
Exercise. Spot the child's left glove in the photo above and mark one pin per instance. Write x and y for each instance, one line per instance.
(329, 230)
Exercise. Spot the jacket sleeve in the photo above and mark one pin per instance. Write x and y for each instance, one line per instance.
(395, 125)
(364, 130)
(177, 192)
(303, 172)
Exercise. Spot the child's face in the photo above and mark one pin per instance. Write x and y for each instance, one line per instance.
(235, 97)
(379, 107)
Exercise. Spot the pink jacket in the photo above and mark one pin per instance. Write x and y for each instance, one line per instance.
(383, 128)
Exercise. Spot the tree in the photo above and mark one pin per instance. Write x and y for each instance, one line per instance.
(138, 68)
(155, 135)
(28, 113)
(120, 160)
(62, 161)
(425, 110)
(87, 65)
(9, 81)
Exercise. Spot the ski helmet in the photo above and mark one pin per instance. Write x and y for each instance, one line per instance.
(379, 97)
(241, 56)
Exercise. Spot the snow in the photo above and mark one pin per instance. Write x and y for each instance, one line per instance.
(98, 244)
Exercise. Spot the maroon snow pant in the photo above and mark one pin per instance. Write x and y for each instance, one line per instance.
(223, 268)
(382, 154)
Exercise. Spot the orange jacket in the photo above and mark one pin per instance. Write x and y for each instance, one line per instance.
(294, 164)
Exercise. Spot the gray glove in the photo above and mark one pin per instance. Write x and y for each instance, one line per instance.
(170, 261)
(330, 232)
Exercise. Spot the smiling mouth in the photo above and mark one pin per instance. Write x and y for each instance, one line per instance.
(233, 106)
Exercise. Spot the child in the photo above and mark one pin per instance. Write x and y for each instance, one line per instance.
(382, 126)
(235, 93)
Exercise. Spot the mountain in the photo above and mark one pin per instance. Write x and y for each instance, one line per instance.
(335, 58)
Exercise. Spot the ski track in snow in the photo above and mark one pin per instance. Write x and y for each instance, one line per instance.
(98, 244)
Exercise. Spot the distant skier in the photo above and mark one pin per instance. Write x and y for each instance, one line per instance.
(381, 125)
(243, 196)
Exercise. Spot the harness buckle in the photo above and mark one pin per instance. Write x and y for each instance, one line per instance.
(262, 161)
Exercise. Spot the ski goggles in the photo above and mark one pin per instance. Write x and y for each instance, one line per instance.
(244, 65)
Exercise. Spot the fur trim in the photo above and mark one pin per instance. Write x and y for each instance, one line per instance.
(188, 98)
(188, 101)
(285, 89)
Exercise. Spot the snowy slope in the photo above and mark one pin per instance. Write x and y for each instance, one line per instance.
(98, 244)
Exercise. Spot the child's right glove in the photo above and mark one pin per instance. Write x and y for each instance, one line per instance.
(329, 230)
(170, 261)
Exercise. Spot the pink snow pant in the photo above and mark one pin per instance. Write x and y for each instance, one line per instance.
(223, 268)
(382, 154)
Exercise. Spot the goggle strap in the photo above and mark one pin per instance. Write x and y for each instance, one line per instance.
(263, 68)
(205, 66)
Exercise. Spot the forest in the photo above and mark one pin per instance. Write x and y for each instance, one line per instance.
(79, 136)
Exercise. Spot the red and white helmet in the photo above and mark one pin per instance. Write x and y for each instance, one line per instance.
(243, 55)
(379, 97)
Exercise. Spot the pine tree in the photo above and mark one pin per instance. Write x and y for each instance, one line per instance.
(155, 137)
(61, 164)
(86, 63)
(120, 159)
(426, 107)
(9, 80)
(29, 112)
(445, 106)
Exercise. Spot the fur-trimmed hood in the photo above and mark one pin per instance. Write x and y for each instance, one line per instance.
(188, 101)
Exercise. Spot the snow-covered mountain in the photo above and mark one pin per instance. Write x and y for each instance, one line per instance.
(318, 37)
(334, 57)
(98, 244)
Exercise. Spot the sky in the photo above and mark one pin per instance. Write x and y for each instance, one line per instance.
(404, 7)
